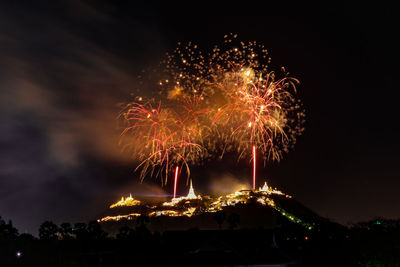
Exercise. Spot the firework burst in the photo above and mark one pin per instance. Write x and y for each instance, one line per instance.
(254, 112)
(158, 137)
(225, 100)
(247, 104)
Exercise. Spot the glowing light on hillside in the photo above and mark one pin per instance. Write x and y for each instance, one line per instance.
(130, 216)
(188, 205)
(269, 190)
(190, 196)
(129, 201)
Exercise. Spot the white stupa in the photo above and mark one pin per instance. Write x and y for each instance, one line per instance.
(191, 194)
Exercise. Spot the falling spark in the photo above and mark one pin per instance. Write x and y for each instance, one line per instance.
(254, 167)
(176, 180)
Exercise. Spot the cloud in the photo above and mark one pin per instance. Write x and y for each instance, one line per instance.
(228, 183)
(62, 77)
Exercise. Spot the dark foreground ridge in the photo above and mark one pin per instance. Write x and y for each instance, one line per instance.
(373, 243)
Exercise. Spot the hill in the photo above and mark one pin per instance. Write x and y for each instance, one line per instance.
(266, 208)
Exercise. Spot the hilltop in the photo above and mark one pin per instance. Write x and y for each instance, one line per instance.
(265, 208)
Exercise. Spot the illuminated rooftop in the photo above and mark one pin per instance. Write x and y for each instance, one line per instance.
(126, 202)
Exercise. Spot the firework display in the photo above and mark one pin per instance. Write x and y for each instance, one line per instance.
(212, 103)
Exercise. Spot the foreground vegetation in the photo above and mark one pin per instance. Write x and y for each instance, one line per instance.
(372, 243)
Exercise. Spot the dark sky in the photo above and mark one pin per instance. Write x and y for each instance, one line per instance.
(65, 66)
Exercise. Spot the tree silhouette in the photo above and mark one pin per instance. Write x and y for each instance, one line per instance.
(80, 231)
(233, 220)
(7, 230)
(48, 231)
(125, 232)
(95, 231)
(142, 220)
(66, 231)
(26, 237)
(142, 232)
(219, 217)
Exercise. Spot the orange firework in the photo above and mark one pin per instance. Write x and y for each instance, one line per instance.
(248, 106)
(226, 100)
(158, 138)
(254, 111)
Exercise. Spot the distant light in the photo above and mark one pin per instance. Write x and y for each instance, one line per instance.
(19, 254)
(306, 238)
(378, 222)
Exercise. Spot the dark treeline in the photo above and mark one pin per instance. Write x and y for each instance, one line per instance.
(372, 243)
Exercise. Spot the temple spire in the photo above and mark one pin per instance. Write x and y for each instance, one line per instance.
(265, 188)
(191, 191)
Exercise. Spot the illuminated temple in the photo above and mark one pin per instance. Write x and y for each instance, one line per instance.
(129, 201)
(192, 204)
(191, 194)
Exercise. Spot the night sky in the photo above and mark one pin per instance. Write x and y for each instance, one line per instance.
(66, 66)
